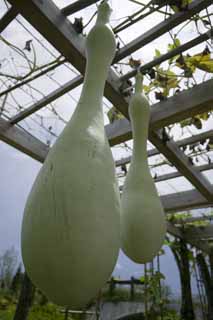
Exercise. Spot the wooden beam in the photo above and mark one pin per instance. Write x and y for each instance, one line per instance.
(7, 18)
(182, 221)
(186, 104)
(77, 6)
(186, 200)
(172, 53)
(172, 152)
(196, 139)
(23, 141)
(48, 99)
(177, 174)
(119, 131)
(195, 7)
(199, 233)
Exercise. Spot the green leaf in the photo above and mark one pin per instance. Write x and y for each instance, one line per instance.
(174, 45)
(157, 53)
(201, 61)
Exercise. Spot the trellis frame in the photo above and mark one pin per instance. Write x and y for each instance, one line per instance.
(58, 30)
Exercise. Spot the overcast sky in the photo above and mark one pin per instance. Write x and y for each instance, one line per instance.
(18, 171)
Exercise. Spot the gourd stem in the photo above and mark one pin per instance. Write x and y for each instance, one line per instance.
(93, 76)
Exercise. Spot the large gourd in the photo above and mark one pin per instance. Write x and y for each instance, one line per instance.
(70, 230)
(142, 217)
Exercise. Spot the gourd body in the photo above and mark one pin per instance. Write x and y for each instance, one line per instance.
(70, 229)
(142, 217)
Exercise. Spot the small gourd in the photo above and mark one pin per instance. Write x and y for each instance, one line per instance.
(143, 225)
(71, 225)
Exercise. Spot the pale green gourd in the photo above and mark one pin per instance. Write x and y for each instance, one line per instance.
(71, 224)
(142, 217)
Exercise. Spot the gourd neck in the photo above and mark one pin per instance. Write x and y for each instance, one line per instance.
(140, 137)
(94, 82)
(100, 52)
(140, 116)
(138, 83)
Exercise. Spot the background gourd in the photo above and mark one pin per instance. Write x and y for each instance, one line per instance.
(142, 218)
(70, 229)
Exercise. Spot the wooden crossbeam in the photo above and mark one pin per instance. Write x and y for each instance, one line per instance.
(196, 139)
(77, 6)
(186, 200)
(186, 104)
(182, 221)
(199, 233)
(195, 7)
(7, 18)
(48, 99)
(177, 174)
(23, 141)
(172, 152)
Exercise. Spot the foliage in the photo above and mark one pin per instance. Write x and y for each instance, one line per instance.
(8, 303)
(113, 114)
(180, 219)
(47, 312)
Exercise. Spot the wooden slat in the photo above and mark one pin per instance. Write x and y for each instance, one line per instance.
(23, 141)
(199, 233)
(7, 18)
(48, 99)
(182, 221)
(172, 152)
(181, 201)
(181, 143)
(195, 7)
(186, 104)
(177, 174)
(119, 131)
(77, 6)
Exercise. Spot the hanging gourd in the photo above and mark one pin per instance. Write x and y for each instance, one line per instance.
(142, 217)
(70, 230)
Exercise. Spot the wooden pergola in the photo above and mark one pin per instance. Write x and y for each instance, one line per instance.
(54, 25)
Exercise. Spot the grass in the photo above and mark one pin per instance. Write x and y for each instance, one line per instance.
(48, 311)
